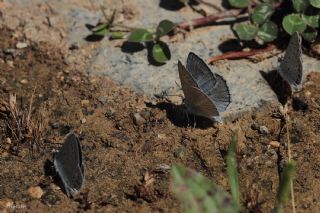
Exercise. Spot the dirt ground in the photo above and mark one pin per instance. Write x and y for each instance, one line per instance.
(126, 138)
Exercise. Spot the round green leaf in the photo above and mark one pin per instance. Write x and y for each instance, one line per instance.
(312, 21)
(239, 3)
(294, 23)
(140, 35)
(164, 27)
(315, 3)
(161, 52)
(310, 34)
(246, 31)
(268, 31)
(300, 5)
(261, 13)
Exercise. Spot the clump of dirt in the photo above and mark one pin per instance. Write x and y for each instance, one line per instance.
(129, 144)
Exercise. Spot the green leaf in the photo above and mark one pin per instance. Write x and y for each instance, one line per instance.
(117, 35)
(315, 3)
(99, 27)
(300, 5)
(239, 3)
(140, 35)
(261, 13)
(310, 34)
(285, 182)
(101, 32)
(232, 169)
(294, 23)
(268, 31)
(164, 27)
(199, 194)
(312, 21)
(246, 31)
(161, 52)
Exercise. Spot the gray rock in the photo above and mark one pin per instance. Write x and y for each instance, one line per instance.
(131, 68)
(138, 119)
(263, 130)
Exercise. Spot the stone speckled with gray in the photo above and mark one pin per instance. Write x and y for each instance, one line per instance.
(248, 88)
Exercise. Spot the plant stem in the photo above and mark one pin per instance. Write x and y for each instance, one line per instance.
(240, 54)
(199, 22)
(289, 159)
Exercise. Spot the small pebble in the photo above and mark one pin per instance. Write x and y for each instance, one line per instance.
(138, 119)
(275, 144)
(24, 81)
(10, 63)
(263, 130)
(21, 45)
(163, 167)
(8, 140)
(269, 163)
(83, 120)
(85, 102)
(307, 93)
(161, 136)
(35, 192)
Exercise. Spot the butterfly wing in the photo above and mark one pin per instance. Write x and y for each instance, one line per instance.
(213, 85)
(68, 163)
(291, 65)
(196, 101)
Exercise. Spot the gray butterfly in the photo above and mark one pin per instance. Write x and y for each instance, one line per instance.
(291, 65)
(68, 164)
(206, 93)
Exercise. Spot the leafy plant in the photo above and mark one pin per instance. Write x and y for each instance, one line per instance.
(107, 29)
(298, 16)
(160, 50)
(199, 194)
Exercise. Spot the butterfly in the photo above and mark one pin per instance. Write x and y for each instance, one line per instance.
(68, 164)
(291, 69)
(206, 93)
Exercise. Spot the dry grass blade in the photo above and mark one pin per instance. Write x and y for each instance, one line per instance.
(22, 125)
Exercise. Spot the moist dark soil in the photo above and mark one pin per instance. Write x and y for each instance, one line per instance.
(125, 137)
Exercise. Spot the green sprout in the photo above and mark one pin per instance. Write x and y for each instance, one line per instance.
(284, 187)
(160, 50)
(199, 194)
(106, 29)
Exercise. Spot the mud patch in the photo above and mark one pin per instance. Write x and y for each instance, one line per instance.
(123, 154)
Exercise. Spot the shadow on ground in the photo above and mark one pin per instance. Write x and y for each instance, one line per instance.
(178, 115)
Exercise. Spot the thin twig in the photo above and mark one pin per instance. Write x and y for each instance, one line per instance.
(241, 54)
(199, 22)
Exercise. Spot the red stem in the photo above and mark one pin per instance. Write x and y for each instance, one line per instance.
(240, 54)
(209, 19)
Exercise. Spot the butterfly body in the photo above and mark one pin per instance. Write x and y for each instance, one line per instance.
(206, 93)
(291, 69)
(68, 164)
